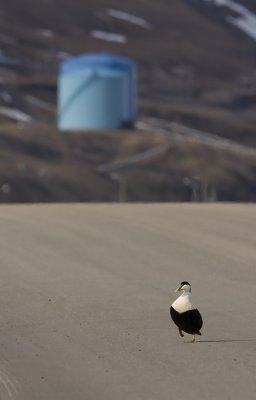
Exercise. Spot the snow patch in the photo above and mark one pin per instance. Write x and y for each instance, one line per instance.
(15, 114)
(248, 25)
(38, 102)
(124, 16)
(7, 98)
(46, 33)
(245, 21)
(109, 37)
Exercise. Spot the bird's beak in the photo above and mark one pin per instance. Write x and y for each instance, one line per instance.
(178, 288)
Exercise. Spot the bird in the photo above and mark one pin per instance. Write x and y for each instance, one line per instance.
(187, 318)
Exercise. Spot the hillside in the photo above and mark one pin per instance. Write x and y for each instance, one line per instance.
(195, 68)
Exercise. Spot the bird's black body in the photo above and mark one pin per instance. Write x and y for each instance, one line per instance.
(189, 321)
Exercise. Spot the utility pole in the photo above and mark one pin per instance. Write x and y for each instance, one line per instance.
(121, 186)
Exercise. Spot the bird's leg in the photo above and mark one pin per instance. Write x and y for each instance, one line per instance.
(180, 332)
(194, 339)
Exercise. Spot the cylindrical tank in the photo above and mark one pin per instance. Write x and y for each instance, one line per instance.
(96, 91)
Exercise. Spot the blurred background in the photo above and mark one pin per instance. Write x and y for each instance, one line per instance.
(146, 100)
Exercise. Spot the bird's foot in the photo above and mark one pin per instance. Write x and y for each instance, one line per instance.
(180, 332)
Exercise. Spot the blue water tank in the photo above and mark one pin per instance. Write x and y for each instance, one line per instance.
(96, 91)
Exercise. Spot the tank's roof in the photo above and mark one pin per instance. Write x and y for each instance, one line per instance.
(106, 60)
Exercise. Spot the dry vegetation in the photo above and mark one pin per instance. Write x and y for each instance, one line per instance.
(42, 164)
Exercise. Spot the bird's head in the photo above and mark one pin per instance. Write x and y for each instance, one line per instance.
(184, 286)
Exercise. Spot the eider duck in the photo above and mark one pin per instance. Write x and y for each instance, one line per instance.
(187, 318)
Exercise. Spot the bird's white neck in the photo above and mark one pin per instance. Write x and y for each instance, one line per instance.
(183, 303)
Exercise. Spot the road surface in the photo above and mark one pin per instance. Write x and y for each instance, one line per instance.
(85, 292)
